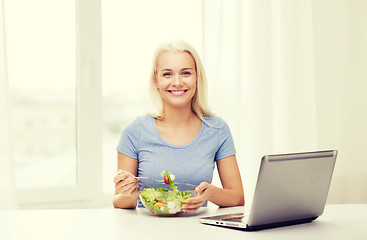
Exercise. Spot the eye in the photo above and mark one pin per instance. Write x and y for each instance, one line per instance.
(167, 74)
(186, 73)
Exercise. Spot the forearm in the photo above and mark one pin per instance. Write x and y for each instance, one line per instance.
(226, 197)
(126, 202)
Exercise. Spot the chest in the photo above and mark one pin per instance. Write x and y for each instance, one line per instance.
(194, 160)
(179, 136)
(192, 164)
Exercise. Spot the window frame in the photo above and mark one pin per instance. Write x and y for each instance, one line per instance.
(88, 114)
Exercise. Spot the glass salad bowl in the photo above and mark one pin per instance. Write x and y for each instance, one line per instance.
(164, 199)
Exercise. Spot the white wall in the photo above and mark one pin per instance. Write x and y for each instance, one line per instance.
(341, 77)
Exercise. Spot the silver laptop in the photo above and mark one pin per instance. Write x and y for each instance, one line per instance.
(290, 189)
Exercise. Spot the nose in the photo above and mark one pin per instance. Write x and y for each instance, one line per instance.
(177, 80)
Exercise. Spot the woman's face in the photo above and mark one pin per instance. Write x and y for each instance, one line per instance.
(176, 78)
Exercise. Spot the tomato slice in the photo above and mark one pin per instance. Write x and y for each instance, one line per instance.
(166, 180)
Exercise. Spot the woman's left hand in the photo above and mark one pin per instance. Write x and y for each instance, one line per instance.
(202, 195)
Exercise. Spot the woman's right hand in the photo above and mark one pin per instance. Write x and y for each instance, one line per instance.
(125, 183)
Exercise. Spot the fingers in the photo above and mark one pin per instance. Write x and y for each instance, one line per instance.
(202, 187)
(122, 175)
(128, 189)
(198, 201)
(125, 182)
(193, 206)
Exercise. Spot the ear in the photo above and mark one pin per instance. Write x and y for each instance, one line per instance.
(155, 80)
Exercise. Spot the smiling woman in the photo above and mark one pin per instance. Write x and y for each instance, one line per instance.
(130, 35)
(184, 138)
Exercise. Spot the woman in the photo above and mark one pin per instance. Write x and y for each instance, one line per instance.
(183, 137)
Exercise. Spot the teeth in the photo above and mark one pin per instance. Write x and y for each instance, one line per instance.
(177, 92)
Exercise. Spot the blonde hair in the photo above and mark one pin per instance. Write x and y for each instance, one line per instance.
(199, 103)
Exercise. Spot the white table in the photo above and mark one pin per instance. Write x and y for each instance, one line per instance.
(337, 222)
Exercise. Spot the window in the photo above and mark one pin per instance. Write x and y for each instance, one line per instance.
(54, 76)
(41, 66)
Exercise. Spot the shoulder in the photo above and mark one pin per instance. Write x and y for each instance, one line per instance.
(218, 126)
(141, 120)
(215, 122)
(138, 123)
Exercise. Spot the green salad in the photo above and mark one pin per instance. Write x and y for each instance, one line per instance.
(162, 201)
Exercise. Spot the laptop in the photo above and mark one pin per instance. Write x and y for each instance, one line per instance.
(290, 189)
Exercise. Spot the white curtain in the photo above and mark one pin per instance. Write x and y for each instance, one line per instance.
(7, 182)
(288, 76)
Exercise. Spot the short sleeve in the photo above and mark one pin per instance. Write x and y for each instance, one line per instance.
(129, 140)
(226, 144)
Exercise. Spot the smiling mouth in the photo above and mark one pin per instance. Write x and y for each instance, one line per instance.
(177, 92)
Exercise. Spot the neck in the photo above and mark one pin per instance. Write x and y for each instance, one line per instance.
(178, 116)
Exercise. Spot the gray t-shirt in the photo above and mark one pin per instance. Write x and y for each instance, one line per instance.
(192, 163)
